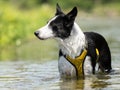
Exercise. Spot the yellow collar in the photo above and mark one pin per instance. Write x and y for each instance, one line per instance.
(78, 62)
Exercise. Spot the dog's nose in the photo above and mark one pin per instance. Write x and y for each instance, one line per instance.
(36, 33)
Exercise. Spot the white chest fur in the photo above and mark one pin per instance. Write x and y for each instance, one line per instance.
(66, 68)
(72, 46)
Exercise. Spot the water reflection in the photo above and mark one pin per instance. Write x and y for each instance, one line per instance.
(92, 82)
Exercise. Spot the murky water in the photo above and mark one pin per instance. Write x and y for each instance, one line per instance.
(37, 75)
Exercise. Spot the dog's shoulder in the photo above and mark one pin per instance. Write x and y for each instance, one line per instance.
(95, 37)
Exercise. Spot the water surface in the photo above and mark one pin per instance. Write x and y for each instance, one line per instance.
(44, 75)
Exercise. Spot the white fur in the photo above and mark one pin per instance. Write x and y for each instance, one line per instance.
(66, 68)
(46, 31)
(73, 45)
(87, 66)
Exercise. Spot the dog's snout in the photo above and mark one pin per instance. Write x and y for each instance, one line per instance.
(36, 33)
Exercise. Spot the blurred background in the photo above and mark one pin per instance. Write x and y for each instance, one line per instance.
(27, 63)
(20, 18)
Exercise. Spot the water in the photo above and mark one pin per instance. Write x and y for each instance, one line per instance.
(22, 75)
(28, 75)
(44, 75)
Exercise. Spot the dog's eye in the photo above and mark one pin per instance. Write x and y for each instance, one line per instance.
(55, 28)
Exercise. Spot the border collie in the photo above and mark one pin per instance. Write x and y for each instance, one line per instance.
(81, 53)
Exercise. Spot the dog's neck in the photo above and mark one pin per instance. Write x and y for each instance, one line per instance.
(74, 44)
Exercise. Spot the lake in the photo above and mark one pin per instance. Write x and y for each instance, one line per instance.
(42, 73)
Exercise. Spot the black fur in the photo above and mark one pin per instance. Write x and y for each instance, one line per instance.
(62, 26)
(95, 40)
(59, 28)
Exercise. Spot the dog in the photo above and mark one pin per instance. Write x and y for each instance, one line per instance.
(81, 53)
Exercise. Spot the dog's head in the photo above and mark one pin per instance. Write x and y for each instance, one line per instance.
(59, 26)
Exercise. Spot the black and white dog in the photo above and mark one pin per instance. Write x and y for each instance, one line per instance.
(73, 42)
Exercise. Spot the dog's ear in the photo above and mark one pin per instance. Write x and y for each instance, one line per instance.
(58, 10)
(72, 14)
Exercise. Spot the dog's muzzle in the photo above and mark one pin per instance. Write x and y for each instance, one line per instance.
(36, 33)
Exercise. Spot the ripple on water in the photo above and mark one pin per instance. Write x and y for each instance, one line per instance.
(45, 76)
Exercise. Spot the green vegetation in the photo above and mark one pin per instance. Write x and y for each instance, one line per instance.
(17, 26)
(20, 18)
